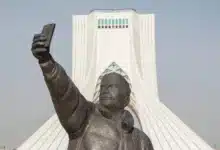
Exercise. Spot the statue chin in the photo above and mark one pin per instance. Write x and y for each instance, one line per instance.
(107, 103)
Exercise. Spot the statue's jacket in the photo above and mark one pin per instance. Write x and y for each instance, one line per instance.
(87, 127)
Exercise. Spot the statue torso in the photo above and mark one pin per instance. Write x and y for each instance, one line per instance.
(100, 134)
(106, 134)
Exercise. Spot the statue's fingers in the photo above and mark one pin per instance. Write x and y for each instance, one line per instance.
(38, 45)
(39, 37)
(36, 36)
(39, 50)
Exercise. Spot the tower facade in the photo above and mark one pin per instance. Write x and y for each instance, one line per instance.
(120, 41)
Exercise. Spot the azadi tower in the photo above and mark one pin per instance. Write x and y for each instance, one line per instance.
(121, 41)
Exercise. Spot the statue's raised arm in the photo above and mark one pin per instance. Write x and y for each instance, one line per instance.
(70, 105)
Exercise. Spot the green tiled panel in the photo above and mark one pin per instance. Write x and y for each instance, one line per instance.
(106, 21)
(116, 21)
(126, 21)
(123, 21)
(119, 21)
(112, 22)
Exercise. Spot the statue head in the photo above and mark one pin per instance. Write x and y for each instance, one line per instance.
(114, 92)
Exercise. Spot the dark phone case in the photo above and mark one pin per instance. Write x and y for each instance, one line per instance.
(48, 31)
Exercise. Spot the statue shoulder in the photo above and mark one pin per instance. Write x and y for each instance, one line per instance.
(144, 140)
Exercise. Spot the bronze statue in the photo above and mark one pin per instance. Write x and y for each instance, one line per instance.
(102, 126)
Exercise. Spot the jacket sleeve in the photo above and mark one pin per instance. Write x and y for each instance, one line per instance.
(71, 106)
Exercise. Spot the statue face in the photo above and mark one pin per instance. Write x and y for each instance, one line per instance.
(114, 92)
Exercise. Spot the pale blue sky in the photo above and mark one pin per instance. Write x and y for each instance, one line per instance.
(188, 50)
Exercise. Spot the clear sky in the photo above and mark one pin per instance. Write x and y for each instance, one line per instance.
(188, 50)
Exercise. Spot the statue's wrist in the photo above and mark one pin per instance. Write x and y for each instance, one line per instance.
(48, 66)
(46, 58)
(49, 70)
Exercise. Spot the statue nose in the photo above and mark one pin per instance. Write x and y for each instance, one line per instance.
(113, 91)
(110, 89)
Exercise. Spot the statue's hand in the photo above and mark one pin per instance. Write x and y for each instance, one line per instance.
(39, 49)
(41, 43)
(127, 122)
